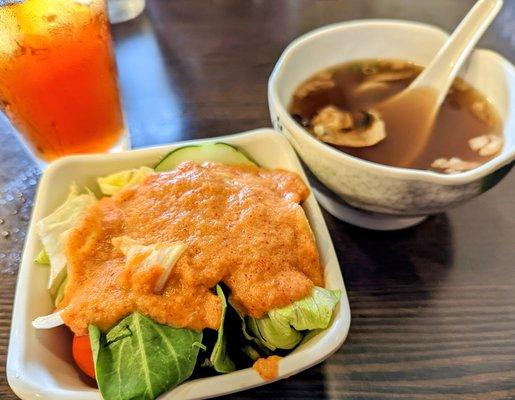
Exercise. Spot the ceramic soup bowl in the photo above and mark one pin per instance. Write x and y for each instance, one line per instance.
(400, 195)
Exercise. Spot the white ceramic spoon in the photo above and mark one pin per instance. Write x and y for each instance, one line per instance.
(411, 113)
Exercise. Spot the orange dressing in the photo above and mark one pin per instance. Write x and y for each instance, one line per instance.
(267, 368)
(241, 225)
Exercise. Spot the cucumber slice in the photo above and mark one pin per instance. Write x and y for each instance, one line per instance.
(217, 152)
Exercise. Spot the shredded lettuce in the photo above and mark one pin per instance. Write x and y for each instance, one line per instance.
(113, 183)
(49, 321)
(60, 291)
(140, 256)
(54, 230)
(200, 346)
(282, 328)
(42, 258)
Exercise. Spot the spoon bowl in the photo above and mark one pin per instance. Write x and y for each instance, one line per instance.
(422, 99)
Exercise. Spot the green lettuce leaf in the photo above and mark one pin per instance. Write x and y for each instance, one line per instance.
(282, 328)
(275, 334)
(54, 230)
(219, 357)
(141, 359)
(312, 312)
(246, 332)
(60, 291)
(42, 258)
(113, 183)
(251, 353)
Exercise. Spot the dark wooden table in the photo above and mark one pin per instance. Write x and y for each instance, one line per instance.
(433, 307)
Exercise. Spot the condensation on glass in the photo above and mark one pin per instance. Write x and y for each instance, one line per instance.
(58, 81)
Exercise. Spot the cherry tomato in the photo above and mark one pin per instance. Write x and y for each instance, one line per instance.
(82, 354)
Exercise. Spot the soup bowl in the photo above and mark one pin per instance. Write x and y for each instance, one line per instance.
(363, 192)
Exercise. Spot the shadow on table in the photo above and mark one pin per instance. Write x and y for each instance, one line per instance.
(419, 256)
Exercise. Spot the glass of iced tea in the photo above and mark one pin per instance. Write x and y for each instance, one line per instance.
(58, 83)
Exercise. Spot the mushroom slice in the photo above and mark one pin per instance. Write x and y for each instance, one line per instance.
(320, 82)
(478, 142)
(453, 165)
(370, 86)
(390, 76)
(379, 81)
(398, 64)
(486, 145)
(459, 85)
(330, 120)
(483, 112)
(368, 131)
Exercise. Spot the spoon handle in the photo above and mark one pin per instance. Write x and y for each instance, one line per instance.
(440, 73)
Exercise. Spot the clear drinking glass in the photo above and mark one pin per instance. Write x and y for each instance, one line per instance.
(58, 81)
(124, 10)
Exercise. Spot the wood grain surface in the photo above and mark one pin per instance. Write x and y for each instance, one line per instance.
(433, 307)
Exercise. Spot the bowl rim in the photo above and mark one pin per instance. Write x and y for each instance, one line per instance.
(462, 178)
(309, 355)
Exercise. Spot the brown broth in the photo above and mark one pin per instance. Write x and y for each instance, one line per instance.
(465, 113)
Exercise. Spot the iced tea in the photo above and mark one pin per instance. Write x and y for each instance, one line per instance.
(57, 76)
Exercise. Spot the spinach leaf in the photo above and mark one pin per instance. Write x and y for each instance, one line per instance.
(139, 359)
(219, 357)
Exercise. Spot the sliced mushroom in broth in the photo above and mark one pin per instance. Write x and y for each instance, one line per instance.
(337, 106)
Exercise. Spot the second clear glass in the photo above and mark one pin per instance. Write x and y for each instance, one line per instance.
(124, 10)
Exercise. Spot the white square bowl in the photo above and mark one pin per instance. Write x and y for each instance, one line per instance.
(39, 363)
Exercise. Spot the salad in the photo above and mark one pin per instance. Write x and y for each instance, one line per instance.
(202, 265)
